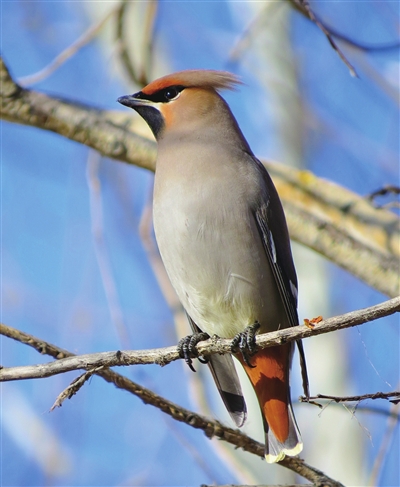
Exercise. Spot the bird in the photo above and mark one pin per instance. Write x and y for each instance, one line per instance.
(223, 238)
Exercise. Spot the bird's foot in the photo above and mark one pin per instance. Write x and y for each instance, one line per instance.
(187, 348)
(245, 343)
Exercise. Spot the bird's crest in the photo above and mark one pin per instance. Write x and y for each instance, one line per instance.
(199, 78)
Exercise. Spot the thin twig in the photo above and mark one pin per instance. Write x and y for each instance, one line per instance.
(305, 7)
(163, 356)
(252, 30)
(385, 190)
(299, 6)
(391, 46)
(100, 248)
(338, 399)
(385, 445)
(67, 53)
(209, 427)
(74, 387)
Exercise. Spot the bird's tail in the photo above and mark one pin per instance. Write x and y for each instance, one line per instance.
(275, 449)
(227, 381)
(270, 378)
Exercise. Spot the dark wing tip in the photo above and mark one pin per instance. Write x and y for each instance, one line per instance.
(236, 407)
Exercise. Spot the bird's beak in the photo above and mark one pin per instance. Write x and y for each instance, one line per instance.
(132, 101)
(146, 109)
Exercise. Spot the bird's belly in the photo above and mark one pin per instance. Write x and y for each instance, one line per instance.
(219, 269)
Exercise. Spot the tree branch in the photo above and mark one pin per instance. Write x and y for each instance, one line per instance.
(106, 131)
(333, 221)
(209, 427)
(163, 356)
(70, 51)
(300, 6)
(393, 397)
(139, 78)
(304, 7)
(123, 46)
(344, 227)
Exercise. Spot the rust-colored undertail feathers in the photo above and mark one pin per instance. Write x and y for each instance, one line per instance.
(270, 379)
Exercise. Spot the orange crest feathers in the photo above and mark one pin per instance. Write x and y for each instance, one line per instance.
(199, 78)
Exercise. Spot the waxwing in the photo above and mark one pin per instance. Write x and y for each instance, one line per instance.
(222, 236)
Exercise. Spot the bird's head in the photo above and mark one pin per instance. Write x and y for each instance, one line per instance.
(181, 100)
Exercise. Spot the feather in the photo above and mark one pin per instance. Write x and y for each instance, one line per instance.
(270, 378)
(195, 78)
(227, 381)
(283, 269)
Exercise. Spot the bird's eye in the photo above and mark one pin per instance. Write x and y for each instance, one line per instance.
(171, 93)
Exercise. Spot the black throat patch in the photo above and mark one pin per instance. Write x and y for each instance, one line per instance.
(153, 118)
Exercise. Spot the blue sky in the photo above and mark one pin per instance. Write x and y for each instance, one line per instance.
(52, 286)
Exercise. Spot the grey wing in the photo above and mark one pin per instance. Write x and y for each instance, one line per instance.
(271, 223)
(227, 381)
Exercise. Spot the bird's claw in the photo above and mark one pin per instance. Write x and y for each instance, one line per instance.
(245, 343)
(187, 348)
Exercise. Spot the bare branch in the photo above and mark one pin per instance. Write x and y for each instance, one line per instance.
(123, 48)
(339, 224)
(377, 395)
(385, 445)
(388, 189)
(74, 387)
(391, 46)
(106, 131)
(101, 250)
(67, 53)
(163, 356)
(342, 226)
(259, 22)
(305, 8)
(300, 7)
(209, 427)
(141, 78)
